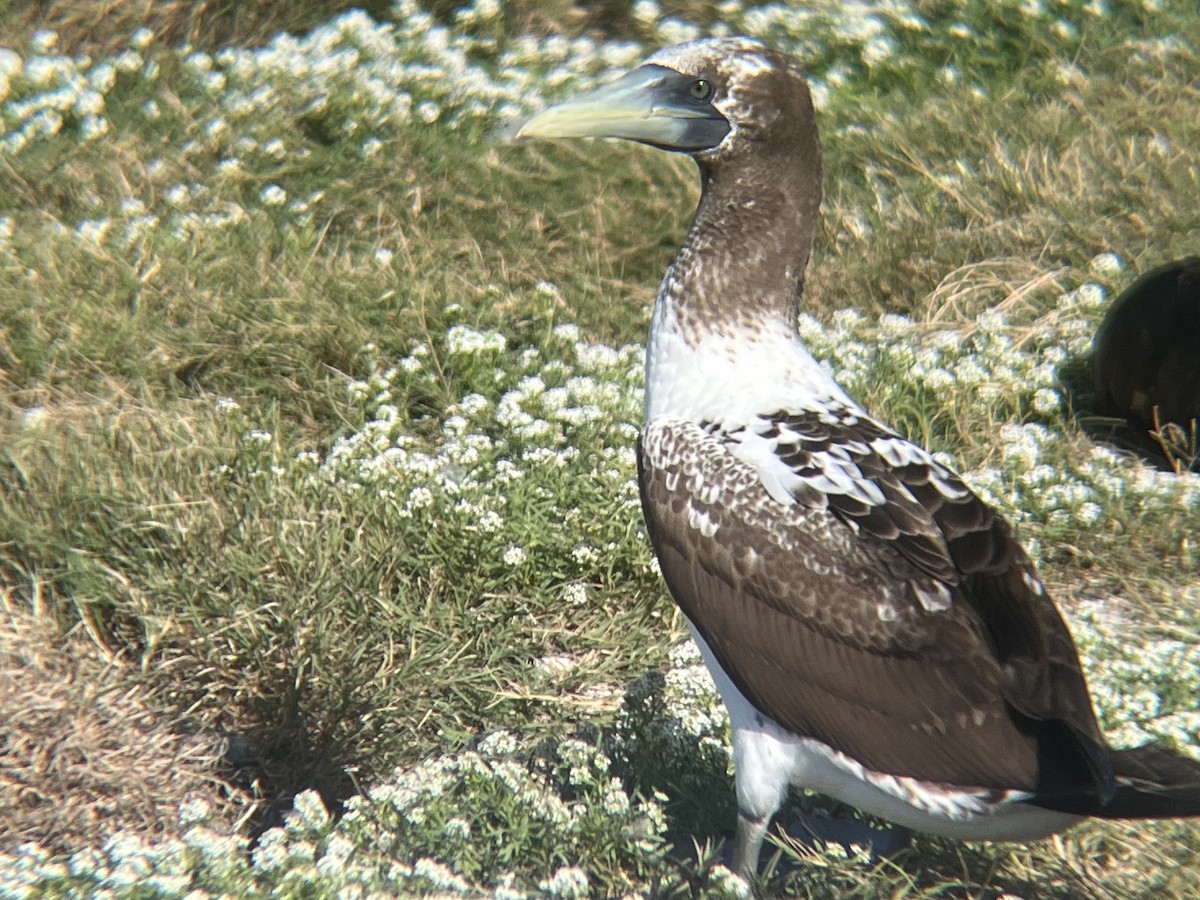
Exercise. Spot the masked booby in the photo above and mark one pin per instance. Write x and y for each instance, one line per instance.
(874, 629)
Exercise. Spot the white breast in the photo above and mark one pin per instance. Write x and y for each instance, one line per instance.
(733, 376)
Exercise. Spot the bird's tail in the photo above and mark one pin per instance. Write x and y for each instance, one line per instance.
(1153, 783)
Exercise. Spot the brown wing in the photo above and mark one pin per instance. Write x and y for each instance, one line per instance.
(820, 613)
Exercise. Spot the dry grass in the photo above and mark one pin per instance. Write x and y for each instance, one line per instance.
(1024, 182)
(86, 752)
(1180, 445)
(103, 27)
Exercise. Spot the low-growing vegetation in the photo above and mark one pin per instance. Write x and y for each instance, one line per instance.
(320, 550)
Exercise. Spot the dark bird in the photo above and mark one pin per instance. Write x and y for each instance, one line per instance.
(1146, 355)
(874, 629)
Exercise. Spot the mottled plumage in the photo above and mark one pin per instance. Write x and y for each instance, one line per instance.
(836, 632)
(873, 627)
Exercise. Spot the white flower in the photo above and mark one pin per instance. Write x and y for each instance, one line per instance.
(439, 875)
(939, 379)
(1065, 30)
(273, 195)
(727, 883)
(566, 332)
(1107, 265)
(257, 436)
(93, 231)
(10, 63)
(498, 744)
(1046, 401)
(85, 863)
(616, 801)
(878, 49)
(584, 554)
(461, 339)
(1089, 514)
(646, 11)
(310, 810)
(473, 404)
(194, 810)
(514, 556)
(132, 206)
(271, 852)
(428, 111)
(569, 881)
(93, 127)
(505, 889)
(420, 498)
(576, 593)
(43, 41)
(34, 418)
(894, 325)
(457, 829)
(212, 844)
(1091, 295)
(89, 103)
(490, 522)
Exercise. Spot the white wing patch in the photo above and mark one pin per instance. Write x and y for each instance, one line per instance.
(831, 471)
(838, 474)
(759, 454)
(932, 595)
(700, 520)
(897, 452)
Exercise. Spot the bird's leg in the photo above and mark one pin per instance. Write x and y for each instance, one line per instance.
(747, 842)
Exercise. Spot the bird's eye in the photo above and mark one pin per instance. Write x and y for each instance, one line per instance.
(701, 89)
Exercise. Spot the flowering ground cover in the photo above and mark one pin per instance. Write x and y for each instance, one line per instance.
(319, 402)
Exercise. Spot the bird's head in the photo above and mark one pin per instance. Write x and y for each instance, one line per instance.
(714, 99)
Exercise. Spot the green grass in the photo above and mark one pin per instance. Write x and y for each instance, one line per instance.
(273, 459)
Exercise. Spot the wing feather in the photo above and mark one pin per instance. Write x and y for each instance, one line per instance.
(895, 619)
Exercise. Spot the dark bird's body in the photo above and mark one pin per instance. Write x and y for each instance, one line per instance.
(1146, 358)
(874, 629)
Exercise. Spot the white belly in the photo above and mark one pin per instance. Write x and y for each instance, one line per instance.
(767, 759)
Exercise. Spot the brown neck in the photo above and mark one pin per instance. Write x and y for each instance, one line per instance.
(749, 243)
